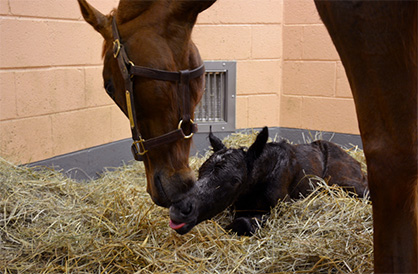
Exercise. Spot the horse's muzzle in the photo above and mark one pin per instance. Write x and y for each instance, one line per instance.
(166, 190)
(158, 195)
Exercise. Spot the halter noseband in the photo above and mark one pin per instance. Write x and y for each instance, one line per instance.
(183, 77)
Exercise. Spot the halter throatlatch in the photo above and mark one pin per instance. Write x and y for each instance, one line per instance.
(128, 69)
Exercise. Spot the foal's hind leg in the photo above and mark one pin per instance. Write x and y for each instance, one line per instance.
(342, 169)
(377, 43)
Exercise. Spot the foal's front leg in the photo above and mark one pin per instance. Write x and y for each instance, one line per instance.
(254, 212)
(247, 225)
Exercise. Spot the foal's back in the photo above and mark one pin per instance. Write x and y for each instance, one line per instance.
(328, 161)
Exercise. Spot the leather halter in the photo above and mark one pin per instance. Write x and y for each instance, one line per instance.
(128, 71)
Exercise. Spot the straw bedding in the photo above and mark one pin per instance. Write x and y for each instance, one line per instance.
(52, 224)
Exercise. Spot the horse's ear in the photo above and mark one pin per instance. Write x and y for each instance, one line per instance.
(215, 142)
(189, 9)
(200, 5)
(257, 147)
(96, 19)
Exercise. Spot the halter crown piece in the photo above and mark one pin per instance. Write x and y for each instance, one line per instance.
(127, 68)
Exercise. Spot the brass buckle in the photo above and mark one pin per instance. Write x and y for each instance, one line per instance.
(191, 134)
(116, 48)
(139, 147)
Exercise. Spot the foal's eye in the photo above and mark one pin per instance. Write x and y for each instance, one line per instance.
(219, 165)
(234, 181)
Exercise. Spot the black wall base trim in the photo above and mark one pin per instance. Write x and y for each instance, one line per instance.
(89, 163)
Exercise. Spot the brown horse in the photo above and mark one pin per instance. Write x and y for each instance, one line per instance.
(154, 73)
(377, 43)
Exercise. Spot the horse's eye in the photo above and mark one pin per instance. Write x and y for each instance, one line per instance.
(110, 89)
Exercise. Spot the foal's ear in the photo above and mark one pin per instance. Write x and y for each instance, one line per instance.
(189, 9)
(215, 142)
(257, 147)
(96, 19)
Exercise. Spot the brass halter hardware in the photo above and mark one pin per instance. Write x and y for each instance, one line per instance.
(129, 107)
(116, 48)
(139, 147)
(191, 134)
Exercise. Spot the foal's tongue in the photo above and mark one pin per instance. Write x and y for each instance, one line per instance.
(176, 226)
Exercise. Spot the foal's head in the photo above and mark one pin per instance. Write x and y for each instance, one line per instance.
(222, 179)
(155, 34)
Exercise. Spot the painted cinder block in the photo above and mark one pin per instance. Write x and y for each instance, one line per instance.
(308, 42)
(45, 8)
(8, 108)
(309, 78)
(266, 41)
(28, 42)
(263, 110)
(241, 112)
(4, 7)
(223, 42)
(329, 114)
(62, 9)
(291, 111)
(81, 129)
(46, 91)
(300, 12)
(258, 77)
(243, 12)
(293, 42)
(26, 140)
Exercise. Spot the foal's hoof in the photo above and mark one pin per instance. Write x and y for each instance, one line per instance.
(243, 226)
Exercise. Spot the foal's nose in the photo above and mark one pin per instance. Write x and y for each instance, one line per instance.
(186, 209)
(182, 210)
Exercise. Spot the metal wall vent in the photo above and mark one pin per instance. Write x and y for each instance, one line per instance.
(217, 107)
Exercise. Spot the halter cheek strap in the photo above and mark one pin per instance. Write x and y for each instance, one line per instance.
(128, 69)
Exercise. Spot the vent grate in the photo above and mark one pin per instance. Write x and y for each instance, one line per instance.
(217, 106)
(212, 106)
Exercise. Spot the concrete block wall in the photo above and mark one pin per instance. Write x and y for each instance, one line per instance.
(316, 94)
(52, 99)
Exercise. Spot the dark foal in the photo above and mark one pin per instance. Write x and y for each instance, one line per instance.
(253, 181)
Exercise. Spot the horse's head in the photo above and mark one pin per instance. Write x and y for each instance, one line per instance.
(155, 34)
